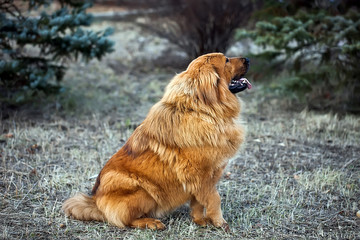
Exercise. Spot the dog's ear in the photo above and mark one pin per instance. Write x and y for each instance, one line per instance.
(200, 84)
(206, 84)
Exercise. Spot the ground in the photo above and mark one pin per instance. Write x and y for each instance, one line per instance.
(296, 177)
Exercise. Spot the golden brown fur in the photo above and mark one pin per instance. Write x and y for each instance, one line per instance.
(176, 155)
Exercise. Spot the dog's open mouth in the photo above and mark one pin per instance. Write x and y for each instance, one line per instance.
(238, 85)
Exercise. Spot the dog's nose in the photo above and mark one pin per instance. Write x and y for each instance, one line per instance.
(246, 61)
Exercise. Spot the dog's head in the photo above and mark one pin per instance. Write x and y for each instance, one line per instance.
(231, 70)
(211, 79)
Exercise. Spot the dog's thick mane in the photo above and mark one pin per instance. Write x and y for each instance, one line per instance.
(200, 97)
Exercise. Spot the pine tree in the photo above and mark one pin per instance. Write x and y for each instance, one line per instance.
(322, 52)
(35, 44)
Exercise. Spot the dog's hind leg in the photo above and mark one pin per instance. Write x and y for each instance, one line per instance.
(126, 208)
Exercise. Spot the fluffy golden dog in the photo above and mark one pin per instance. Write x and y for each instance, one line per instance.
(176, 155)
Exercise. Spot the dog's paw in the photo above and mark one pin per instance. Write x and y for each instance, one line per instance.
(156, 225)
(200, 221)
(226, 227)
(149, 223)
(220, 222)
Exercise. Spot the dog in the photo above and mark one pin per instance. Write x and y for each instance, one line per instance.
(177, 154)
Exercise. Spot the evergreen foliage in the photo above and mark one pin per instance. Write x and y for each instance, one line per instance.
(322, 51)
(36, 44)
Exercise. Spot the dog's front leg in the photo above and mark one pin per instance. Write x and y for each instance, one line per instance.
(197, 212)
(210, 199)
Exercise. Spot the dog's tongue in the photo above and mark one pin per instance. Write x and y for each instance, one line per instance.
(244, 80)
(239, 85)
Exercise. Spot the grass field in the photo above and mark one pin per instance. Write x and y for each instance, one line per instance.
(297, 176)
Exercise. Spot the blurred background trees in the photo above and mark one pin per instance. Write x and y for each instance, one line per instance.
(195, 26)
(307, 51)
(37, 42)
(202, 26)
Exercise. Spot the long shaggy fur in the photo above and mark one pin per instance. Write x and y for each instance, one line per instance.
(176, 155)
(82, 207)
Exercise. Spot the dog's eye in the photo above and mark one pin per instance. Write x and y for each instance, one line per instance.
(227, 60)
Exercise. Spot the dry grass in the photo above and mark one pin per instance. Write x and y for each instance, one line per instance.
(297, 177)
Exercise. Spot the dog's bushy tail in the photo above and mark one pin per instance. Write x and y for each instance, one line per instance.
(82, 207)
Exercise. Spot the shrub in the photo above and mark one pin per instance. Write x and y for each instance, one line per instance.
(202, 26)
(322, 52)
(36, 45)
